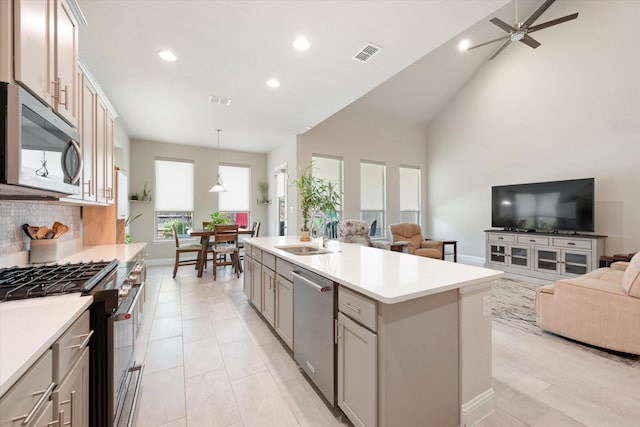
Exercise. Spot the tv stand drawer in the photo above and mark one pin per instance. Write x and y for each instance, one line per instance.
(572, 243)
(534, 240)
(505, 238)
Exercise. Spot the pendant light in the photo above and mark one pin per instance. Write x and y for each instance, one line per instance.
(218, 187)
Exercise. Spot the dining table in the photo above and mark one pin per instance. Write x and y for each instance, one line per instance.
(205, 235)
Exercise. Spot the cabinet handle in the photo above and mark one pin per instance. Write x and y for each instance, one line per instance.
(55, 85)
(350, 307)
(570, 244)
(66, 96)
(88, 184)
(532, 240)
(59, 421)
(36, 408)
(72, 403)
(86, 340)
(500, 238)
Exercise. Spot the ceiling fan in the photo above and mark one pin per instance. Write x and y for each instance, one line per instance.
(521, 30)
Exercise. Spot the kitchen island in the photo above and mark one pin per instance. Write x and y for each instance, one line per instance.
(412, 334)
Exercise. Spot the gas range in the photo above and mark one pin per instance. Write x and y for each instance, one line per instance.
(46, 280)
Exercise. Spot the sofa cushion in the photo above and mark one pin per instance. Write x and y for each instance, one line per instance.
(605, 283)
(631, 279)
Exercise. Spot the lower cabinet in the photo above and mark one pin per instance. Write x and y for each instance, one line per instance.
(357, 372)
(247, 275)
(72, 396)
(284, 310)
(269, 295)
(256, 288)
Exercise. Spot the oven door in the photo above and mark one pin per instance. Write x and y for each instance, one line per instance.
(126, 377)
(42, 150)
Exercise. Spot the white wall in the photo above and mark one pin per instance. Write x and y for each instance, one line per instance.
(143, 154)
(569, 109)
(355, 134)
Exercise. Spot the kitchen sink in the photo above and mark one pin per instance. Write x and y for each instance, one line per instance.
(303, 250)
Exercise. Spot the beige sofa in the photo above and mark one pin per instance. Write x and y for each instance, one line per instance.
(600, 308)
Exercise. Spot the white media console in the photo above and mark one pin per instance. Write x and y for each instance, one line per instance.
(544, 255)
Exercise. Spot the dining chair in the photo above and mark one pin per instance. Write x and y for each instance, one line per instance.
(186, 248)
(225, 242)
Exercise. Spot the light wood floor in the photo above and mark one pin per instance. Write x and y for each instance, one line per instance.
(211, 361)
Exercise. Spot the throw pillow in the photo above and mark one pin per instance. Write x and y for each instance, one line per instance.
(631, 279)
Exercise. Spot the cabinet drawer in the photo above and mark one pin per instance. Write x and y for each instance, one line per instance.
(248, 250)
(357, 307)
(269, 260)
(572, 243)
(284, 268)
(533, 240)
(27, 392)
(494, 237)
(256, 254)
(69, 347)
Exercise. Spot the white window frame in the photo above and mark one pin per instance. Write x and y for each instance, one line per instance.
(380, 214)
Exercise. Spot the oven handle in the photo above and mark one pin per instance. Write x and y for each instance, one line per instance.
(129, 314)
(136, 393)
(45, 396)
(78, 151)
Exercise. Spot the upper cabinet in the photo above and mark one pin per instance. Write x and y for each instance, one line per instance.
(46, 53)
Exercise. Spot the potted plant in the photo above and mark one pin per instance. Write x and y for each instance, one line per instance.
(218, 218)
(263, 187)
(316, 195)
(146, 192)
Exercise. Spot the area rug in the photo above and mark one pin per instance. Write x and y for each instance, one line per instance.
(513, 303)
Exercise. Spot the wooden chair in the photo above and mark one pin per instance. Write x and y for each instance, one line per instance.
(225, 242)
(184, 249)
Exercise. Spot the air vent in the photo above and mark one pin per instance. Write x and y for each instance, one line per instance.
(219, 100)
(367, 52)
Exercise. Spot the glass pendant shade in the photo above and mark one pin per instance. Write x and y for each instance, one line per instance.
(218, 187)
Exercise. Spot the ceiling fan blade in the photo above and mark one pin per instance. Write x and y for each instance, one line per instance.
(489, 42)
(507, 43)
(530, 41)
(500, 23)
(552, 22)
(537, 13)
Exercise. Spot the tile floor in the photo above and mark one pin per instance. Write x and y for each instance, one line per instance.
(211, 361)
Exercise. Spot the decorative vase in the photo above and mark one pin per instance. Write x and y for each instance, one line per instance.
(305, 236)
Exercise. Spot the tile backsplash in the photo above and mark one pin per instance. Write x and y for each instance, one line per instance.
(15, 213)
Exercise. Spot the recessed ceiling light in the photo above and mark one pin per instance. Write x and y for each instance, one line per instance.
(167, 55)
(464, 44)
(273, 83)
(301, 43)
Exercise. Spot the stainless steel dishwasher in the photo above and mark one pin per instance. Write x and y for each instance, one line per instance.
(313, 329)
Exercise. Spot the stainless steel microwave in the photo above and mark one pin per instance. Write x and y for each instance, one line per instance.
(41, 152)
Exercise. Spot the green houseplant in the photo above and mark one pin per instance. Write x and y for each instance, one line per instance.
(316, 195)
(218, 218)
(263, 187)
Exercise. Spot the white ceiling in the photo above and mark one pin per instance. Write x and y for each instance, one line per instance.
(231, 48)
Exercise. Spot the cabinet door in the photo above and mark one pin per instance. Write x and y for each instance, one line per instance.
(269, 295)
(108, 155)
(72, 396)
(547, 260)
(497, 253)
(256, 288)
(357, 372)
(33, 46)
(88, 131)
(575, 263)
(101, 150)
(520, 256)
(246, 280)
(284, 310)
(66, 62)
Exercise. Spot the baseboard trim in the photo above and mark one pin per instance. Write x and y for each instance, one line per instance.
(471, 260)
(159, 261)
(477, 408)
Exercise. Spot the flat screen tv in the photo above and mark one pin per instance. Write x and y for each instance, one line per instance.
(545, 206)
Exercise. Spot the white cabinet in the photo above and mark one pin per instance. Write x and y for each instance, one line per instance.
(46, 53)
(256, 288)
(269, 295)
(357, 372)
(247, 271)
(544, 255)
(72, 396)
(284, 310)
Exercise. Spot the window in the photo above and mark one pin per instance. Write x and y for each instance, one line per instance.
(174, 197)
(330, 169)
(410, 194)
(372, 196)
(235, 201)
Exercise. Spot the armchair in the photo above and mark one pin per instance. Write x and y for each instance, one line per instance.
(417, 245)
(357, 231)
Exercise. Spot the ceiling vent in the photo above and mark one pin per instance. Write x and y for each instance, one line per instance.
(367, 52)
(219, 100)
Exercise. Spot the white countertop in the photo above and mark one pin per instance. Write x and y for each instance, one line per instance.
(123, 252)
(386, 276)
(29, 327)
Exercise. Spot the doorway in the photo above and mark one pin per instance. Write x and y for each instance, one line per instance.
(281, 199)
